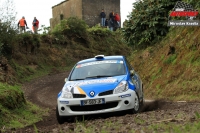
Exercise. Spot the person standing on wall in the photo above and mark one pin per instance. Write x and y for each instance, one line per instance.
(117, 19)
(111, 21)
(112, 16)
(111, 25)
(35, 25)
(103, 17)
(21, 24)
(106, 22)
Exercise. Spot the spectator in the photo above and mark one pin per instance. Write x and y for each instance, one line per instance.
(103, 17)
(111, 16)
(111, 24)
(106, 22)
(21, 24)
(35, 25)
(117, 19)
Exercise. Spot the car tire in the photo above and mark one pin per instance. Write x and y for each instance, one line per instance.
(60, 119)
(137, 105)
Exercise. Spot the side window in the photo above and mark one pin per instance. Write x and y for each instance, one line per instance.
(128, 65)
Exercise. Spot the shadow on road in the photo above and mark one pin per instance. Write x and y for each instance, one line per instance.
(150, 105)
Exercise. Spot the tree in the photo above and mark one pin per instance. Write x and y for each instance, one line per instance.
(7, 27)
(147, 22)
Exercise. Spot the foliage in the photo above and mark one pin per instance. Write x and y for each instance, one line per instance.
(7, 28)
(147, 22)
(98, 30)
(27, 40)
(72, 26)
(8, 13)
(7, 37)
(194, 3)
(197, 115)
(179, 77)
(23, 116)
(11, 97)
(170, 59)
(44, 29)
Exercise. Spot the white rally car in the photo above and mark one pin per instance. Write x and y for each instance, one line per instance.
(97, 85)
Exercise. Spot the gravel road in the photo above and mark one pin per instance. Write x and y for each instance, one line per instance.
(43, 92)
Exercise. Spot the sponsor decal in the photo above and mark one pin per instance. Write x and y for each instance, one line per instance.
(78, 66)
(183, 14)
(74, 86)
(99, 62)
(64, 102)
(75, 83)
(74, 89)
(126, 95)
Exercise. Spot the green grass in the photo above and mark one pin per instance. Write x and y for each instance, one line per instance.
(170, 59)
(21, 117)
(175, 128)
(197, 115)
(21, 113)
(15, 111)
(107, 126)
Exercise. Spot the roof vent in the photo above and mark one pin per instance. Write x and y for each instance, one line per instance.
(99, 56)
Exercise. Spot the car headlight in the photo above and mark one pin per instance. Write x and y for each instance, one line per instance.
(67, 94)
(122, 87)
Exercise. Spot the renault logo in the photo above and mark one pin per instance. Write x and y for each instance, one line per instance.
(92, 93)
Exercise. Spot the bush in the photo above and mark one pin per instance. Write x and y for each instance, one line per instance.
(31, 42)
(71, 27)
(11, 97)
(7, 37)
(98, 30)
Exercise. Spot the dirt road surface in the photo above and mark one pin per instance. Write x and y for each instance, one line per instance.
(43, 92)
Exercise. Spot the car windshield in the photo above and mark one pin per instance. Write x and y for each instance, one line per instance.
(97, 69)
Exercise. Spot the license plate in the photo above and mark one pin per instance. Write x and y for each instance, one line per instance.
(92, 101)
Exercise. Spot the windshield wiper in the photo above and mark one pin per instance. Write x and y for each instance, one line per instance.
(77, 79)
(98, 76)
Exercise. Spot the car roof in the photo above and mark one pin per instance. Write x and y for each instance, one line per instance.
(113, 57)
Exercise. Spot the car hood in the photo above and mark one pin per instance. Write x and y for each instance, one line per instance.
(93, 85)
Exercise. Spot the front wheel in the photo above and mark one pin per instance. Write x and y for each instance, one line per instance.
(137, 105)
(60, 119)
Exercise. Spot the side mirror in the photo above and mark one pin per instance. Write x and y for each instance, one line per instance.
(132, 72)
(66, 79)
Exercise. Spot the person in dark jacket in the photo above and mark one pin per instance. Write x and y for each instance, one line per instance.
(106, 22)
(111, 24)
(103, 17)
(112, 16)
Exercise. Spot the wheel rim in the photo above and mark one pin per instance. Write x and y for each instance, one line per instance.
(136, 103)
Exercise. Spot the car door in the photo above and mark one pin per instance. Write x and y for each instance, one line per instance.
(136, 80)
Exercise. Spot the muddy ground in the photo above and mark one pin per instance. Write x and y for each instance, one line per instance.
(43, 92)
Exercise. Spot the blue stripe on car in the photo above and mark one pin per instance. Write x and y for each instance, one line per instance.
(59, 94)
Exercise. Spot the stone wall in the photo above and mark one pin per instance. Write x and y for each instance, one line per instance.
(68, 8)
(88, 10)
(92, 9)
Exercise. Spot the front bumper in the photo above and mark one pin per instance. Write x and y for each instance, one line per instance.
(113, 103)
